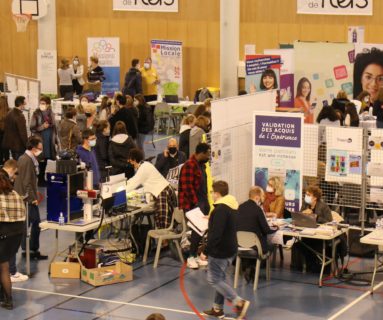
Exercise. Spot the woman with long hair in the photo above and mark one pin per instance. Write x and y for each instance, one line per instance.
(302, 99)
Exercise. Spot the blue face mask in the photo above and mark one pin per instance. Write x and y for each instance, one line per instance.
(308, 199)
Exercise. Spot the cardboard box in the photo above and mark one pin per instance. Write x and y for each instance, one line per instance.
(120, 272)
(66, 270)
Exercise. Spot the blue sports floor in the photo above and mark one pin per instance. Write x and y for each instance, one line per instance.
(289, 295)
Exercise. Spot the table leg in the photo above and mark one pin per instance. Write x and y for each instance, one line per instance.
(323, 263)
(333, 264)
(375, 268)
(130, 221)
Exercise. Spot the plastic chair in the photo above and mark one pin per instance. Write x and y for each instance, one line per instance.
(162, 116)
(250, 240)
(166, 234)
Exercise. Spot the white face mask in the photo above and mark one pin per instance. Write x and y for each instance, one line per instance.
(107, 132)
(269, 189)
(43, 107)
(92, 143)
(37, 153)
(75, 62)
(146, 65)
(347, 121)
(308, 199)
(84, 102)
(135, 103)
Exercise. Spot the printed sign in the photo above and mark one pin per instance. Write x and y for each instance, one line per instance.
(146, 5)
(47, 70)
(335, 7)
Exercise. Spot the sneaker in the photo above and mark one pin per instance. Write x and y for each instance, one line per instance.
(202, 262)
(18, 277)
(242, 310)
(214, 313)
(192, 263)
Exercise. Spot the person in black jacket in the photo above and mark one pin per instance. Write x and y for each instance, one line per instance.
(102, 147)
(133, 80)
(221, 250)
(145, 119)
(126, 115)
(170, 158)
(119, 148)
(378, 109)
(187, 123)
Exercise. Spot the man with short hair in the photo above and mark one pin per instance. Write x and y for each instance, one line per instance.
(221, 250)
(170, 158)
(133, 80)
(150, 80)
(26, 185)
(15, 129)
(192, 193)
(126, 115)
(87, 154)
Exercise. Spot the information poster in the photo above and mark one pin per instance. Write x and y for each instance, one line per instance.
(47, 70)
(344, 154)
(167, 59)
(356, 34)
(286, 100)
(278, 151)
(262, 73)
(107, 50)
(321, 71)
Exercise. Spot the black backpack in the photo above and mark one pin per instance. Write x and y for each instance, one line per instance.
(146, 119)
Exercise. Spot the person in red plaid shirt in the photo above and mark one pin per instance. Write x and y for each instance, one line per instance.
(192, 193)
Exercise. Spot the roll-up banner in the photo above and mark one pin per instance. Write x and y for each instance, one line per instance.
(336, 7)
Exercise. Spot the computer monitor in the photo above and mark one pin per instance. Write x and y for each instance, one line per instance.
(171, 99)
(116, 188)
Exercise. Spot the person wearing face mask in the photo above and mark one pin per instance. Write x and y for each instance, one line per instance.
(252, 218)
(69, 131)
(274, 204)
(102, 147)
(91, 116)
(87, 154)
(26, 184)
(15, 129)
(313, 204)
(133, 80)
(154, 183)
(150, 80)
(77, 75)
(200, 127)
(43, 125)
(65, 78)
(170, 158)
(192, 193)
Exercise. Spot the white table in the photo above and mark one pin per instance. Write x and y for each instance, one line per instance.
(375, 238)
(184, 104)
(297, 234)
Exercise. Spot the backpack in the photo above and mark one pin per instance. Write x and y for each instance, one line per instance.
(146, 119)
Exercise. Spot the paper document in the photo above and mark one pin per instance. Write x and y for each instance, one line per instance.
(197, 221)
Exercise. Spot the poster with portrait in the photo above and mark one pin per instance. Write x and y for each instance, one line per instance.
(262, 72)
(167, 60)
(321, 71)
(107, 50)
(286, 102)
(368, 70)
(278, 152)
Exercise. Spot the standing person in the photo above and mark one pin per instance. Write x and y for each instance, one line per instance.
(4, 109)
(43, 125)
(192, 193)
(9, 171)
(77, 75)
(153, 182)
(87, 154)
(126, 115)
(187, 124)
(80, 117)
(65, 78)
(200, 127)
(119, 148)
(377, 109)
(105, 108)
(26, 184)
(221, 250)
(170, 158)
(15, 129)
(145, 119)
(12, 226)
(150, 80)
(95, 72)
(91, 116)
(303, 100)
(102, 147)
(69, 131)
(133, 80)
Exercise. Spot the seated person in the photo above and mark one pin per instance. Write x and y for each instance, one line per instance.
(170, 158)
(86, 153)
(153, 182)
(314, 205)
(251, 218)
(274, 204)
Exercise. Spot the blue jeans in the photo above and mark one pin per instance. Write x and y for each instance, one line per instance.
(34, 222)
(216, 277)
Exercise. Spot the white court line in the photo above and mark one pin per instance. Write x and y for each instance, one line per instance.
(349, 306)
(104, 300)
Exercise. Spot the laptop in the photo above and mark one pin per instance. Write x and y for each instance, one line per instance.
(303, 220)
(171, 99)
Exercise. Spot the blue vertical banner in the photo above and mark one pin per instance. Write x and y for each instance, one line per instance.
(108, 52)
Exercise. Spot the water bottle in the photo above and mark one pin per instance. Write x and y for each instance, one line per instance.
(61, 219)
